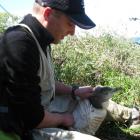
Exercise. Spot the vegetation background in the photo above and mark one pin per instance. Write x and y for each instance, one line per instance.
(105, 60)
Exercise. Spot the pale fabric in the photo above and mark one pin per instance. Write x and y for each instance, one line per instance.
(47, 78)
(87, 118)
(118, 112)
(59, 134)
(60, 104)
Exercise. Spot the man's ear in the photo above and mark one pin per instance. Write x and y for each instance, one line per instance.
(47, 12)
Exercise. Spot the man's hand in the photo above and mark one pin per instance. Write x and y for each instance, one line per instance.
(68, 120)
(56, 119)
(84, 92)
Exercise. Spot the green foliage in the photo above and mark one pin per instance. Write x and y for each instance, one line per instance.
(106, 60)
(115, 131)
(6, 20)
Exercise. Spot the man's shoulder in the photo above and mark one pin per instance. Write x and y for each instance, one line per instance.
(16, 32)
(19, 37)
(19, 44)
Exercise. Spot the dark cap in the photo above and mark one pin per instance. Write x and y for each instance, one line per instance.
(73, 8)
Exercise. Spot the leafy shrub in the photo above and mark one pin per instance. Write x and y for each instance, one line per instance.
(7, 20)
(106, 60)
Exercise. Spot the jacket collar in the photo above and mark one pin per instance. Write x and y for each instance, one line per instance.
(41, 33)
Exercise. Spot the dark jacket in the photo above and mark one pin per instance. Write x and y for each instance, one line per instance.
(19, 64)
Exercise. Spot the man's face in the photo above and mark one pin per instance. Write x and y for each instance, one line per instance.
(60, 25)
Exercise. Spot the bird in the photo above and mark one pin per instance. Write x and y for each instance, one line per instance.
(102, 94)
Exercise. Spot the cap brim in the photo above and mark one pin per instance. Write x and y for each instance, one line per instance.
(83, 21)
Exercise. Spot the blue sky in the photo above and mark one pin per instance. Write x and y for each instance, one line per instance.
(109, 14)
(18, 7)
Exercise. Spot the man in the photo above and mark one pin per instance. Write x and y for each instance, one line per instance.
(29, 98)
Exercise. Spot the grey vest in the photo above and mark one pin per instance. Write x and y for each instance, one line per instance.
(46, 73)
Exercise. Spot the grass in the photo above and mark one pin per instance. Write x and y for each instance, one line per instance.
(115, 131)
(106, 60)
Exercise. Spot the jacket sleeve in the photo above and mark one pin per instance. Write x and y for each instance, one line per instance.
(22, 63)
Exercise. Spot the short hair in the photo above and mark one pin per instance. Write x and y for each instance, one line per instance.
(57, 13)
